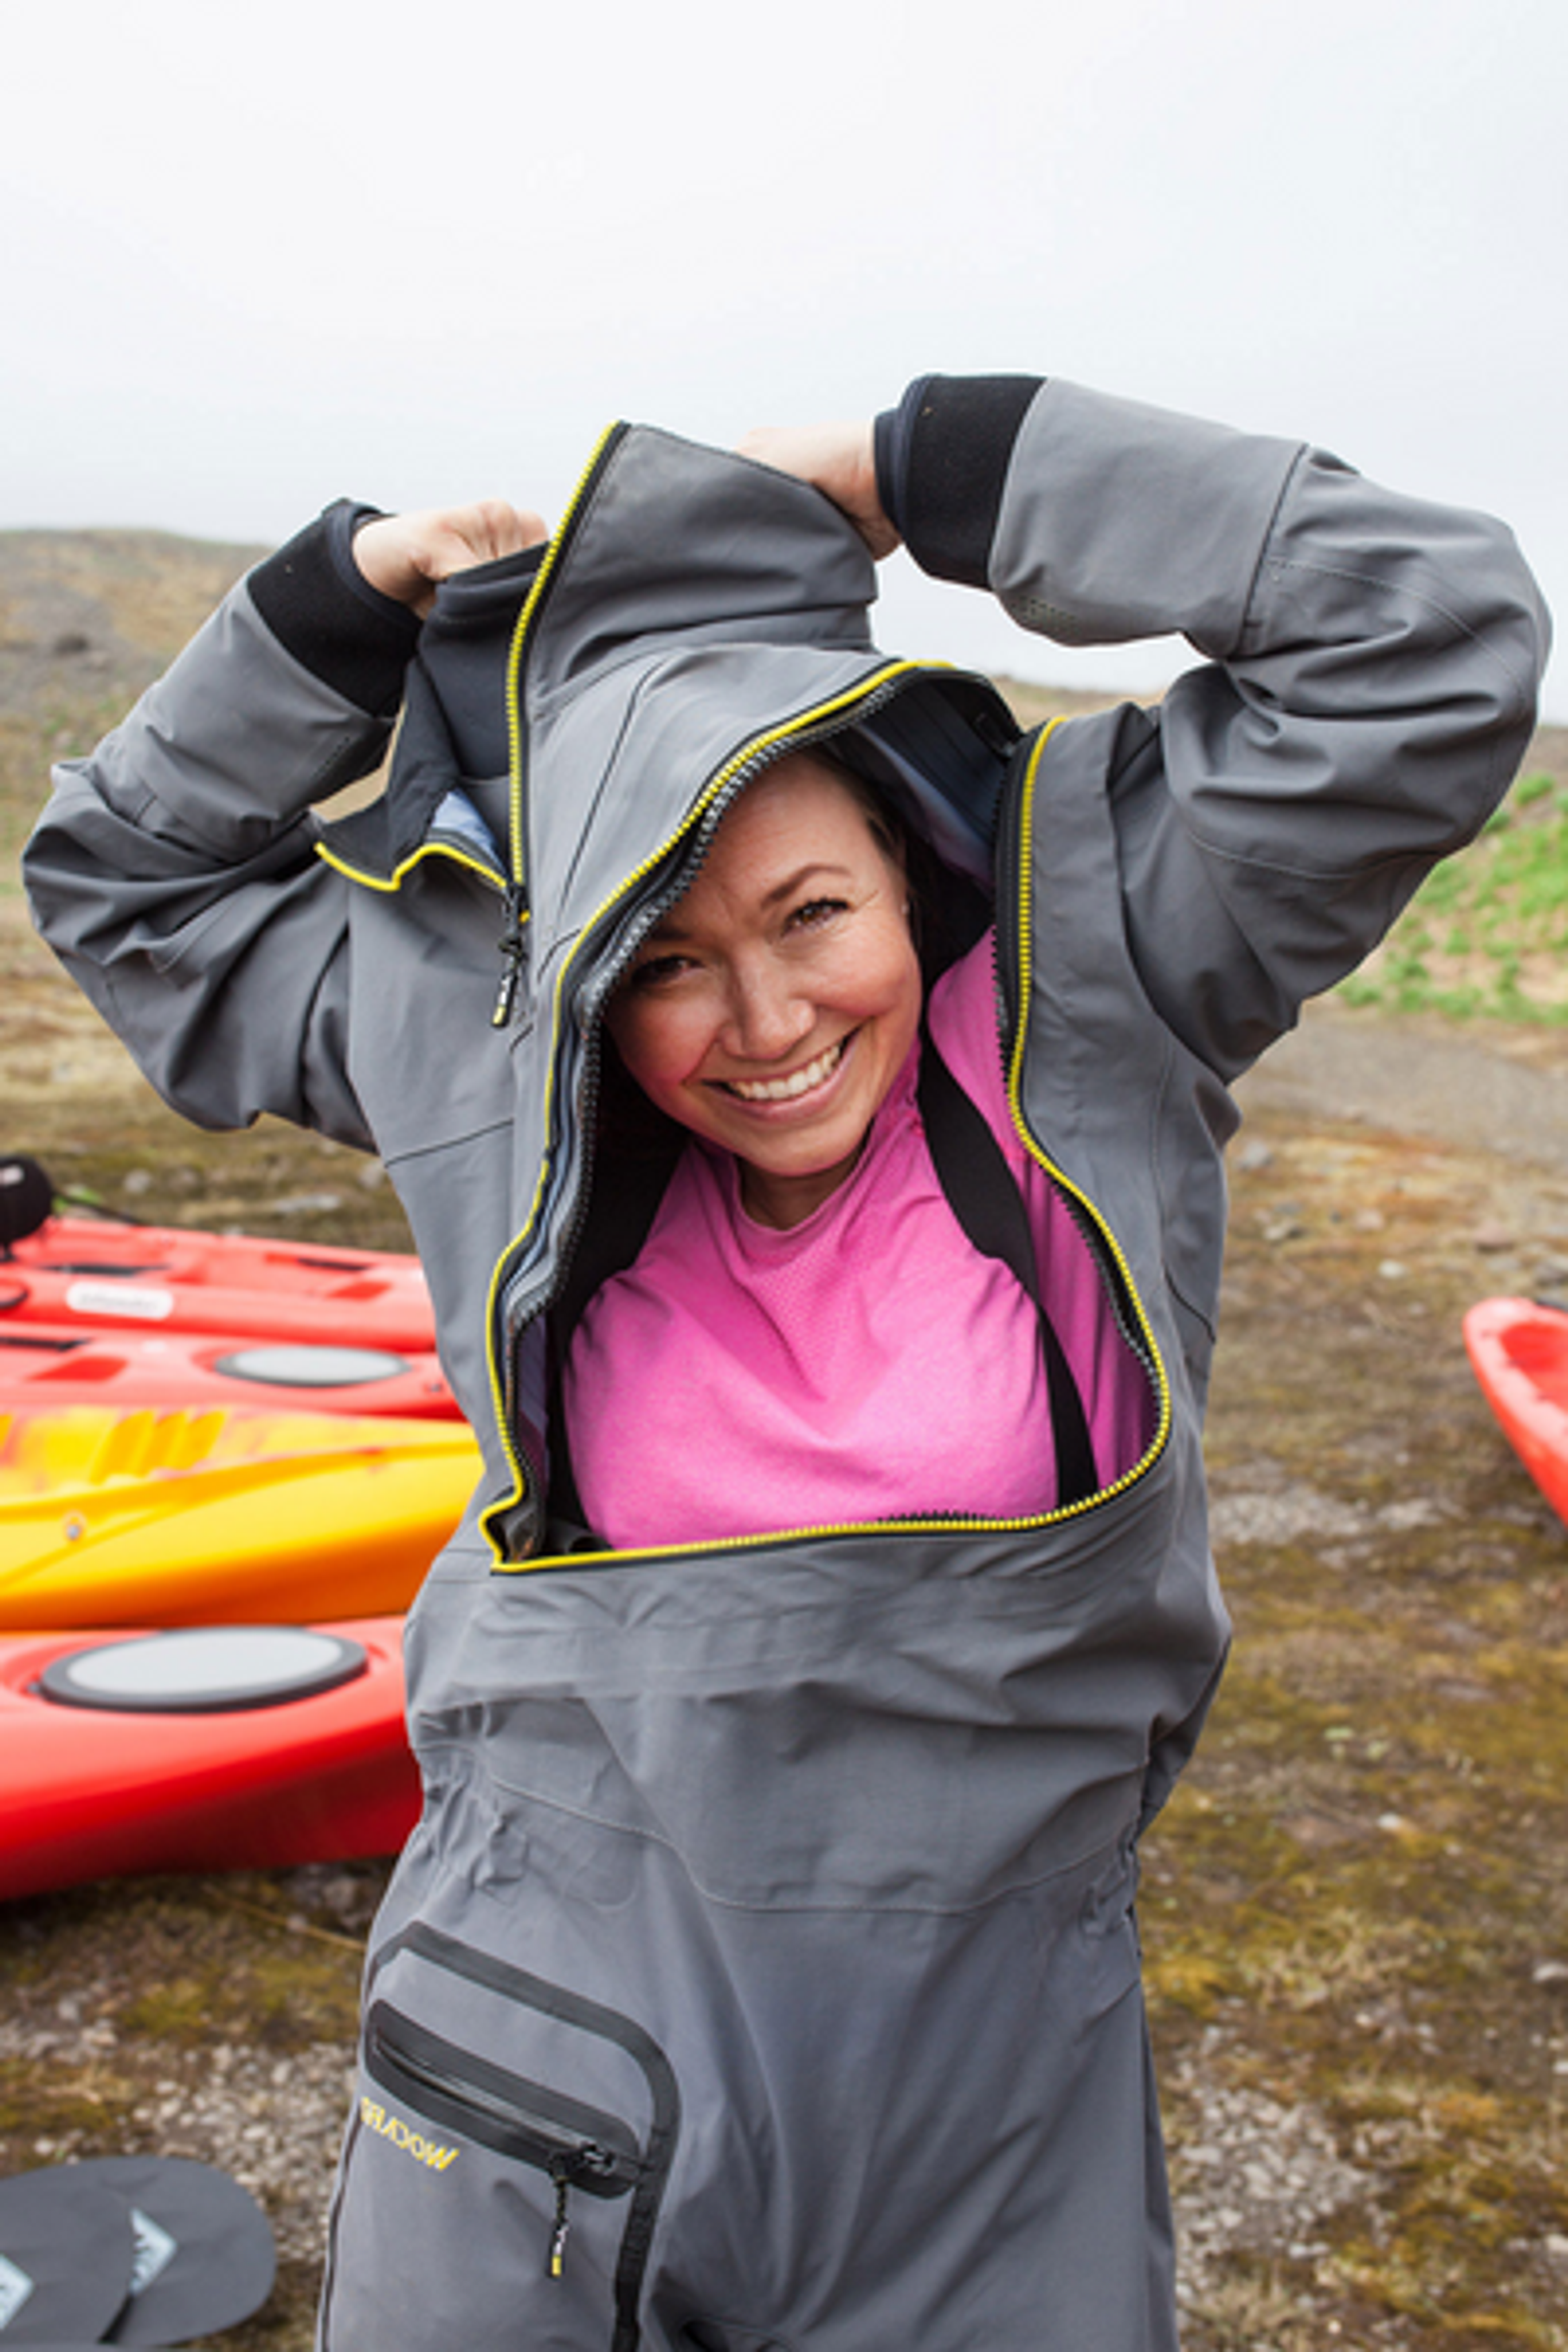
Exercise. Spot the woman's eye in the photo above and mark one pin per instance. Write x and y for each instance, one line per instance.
(816, 910)
(653, 969)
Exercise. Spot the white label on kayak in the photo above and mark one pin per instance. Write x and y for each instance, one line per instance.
(119, 1299)
(15, 2286)
(155, 2250)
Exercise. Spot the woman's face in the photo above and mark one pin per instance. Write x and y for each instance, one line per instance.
(773, 1007)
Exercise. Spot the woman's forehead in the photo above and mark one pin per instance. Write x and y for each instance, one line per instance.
(800, 824)
(799, 807)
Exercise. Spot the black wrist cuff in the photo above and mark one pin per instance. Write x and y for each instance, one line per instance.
(890, 442)
(323, 610)
(941, 461)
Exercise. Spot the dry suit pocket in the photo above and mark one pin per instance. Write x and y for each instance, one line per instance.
(578, 2146)
(507, 2159)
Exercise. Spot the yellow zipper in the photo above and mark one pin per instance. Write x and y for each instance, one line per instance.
(395, 880)
(948, 1523)
(1063, 1182)
(753, 749)
(548, 563)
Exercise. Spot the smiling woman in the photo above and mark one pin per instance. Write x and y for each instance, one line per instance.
(772, 1009)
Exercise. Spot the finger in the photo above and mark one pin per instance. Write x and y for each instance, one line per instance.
(481, 533)
(501, 528)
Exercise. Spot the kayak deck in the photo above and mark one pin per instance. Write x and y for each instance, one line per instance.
(176, 1279)
(93, 1791)
(49, 1362)
(222, 1517)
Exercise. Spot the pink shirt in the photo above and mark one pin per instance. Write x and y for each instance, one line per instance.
(869, 1364)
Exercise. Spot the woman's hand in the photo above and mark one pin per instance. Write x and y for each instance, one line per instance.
(404, 556)
(840, 460)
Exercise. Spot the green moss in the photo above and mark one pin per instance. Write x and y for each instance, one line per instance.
(37, 2102)
(286, 1992)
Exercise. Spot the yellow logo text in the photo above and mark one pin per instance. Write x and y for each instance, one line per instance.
(375, 2118)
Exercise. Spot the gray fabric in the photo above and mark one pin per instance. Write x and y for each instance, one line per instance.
(782, 1893)
(1377, 659)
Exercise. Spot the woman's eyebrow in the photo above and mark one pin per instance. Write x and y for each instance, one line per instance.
(792, 882)
(669, 931)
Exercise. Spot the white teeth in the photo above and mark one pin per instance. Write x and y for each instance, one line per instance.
(800, 1083)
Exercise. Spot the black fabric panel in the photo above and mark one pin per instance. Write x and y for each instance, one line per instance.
(983, 1195)
(948, 450)
(334, 624)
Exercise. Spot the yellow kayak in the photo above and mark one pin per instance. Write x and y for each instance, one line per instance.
(221, 1518)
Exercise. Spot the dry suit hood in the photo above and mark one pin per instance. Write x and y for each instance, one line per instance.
(598, 703)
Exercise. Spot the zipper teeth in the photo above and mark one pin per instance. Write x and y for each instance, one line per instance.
(517, 885)
(1086, 1219)
(549, 565)
(1144, 1342)
(702, 818)
(592, 2152)
(705, 817)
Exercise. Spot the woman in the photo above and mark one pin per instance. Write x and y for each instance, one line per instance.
(836, 1608)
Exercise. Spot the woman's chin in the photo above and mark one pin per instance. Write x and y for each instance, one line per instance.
(785, 1189)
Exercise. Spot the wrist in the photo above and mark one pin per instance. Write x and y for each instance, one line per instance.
(942, 456)
(321, 608)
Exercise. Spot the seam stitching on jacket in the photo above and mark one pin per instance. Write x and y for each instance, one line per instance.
(1523, 692)
(1157, 1163)
(446, 1143)
(1297, 466)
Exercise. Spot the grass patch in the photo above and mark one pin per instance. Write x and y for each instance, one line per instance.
(1487, 934)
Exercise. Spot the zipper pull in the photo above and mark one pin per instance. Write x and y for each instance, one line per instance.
(514, 951)
(561, 2173)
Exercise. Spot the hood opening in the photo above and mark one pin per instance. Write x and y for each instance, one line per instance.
(935, 757)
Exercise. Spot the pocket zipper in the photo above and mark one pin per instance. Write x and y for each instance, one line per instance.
(592, 2153)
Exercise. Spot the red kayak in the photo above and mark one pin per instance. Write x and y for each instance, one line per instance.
(1520, 1354)
(47, 1364)
(205, 1749)
(77, 1270)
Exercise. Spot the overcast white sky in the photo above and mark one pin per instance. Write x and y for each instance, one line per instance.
(417, 252)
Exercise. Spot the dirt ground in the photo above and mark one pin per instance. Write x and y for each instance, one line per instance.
(1356, 1908)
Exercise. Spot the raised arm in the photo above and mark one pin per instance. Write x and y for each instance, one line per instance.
(174, 870)
(1369, 683)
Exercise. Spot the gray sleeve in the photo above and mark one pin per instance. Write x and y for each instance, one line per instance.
(174, 872)
(1369, 689)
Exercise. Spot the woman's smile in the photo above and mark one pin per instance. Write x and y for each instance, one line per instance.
(799, 1084)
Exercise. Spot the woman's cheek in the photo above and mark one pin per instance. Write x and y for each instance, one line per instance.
(660, 1042)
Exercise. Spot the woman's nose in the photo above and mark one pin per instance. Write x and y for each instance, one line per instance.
(766, 1015)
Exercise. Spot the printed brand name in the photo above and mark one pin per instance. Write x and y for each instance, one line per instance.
(424, 2151)
(119, 1299)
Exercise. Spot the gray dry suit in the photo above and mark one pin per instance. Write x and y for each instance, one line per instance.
(764, 1963)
